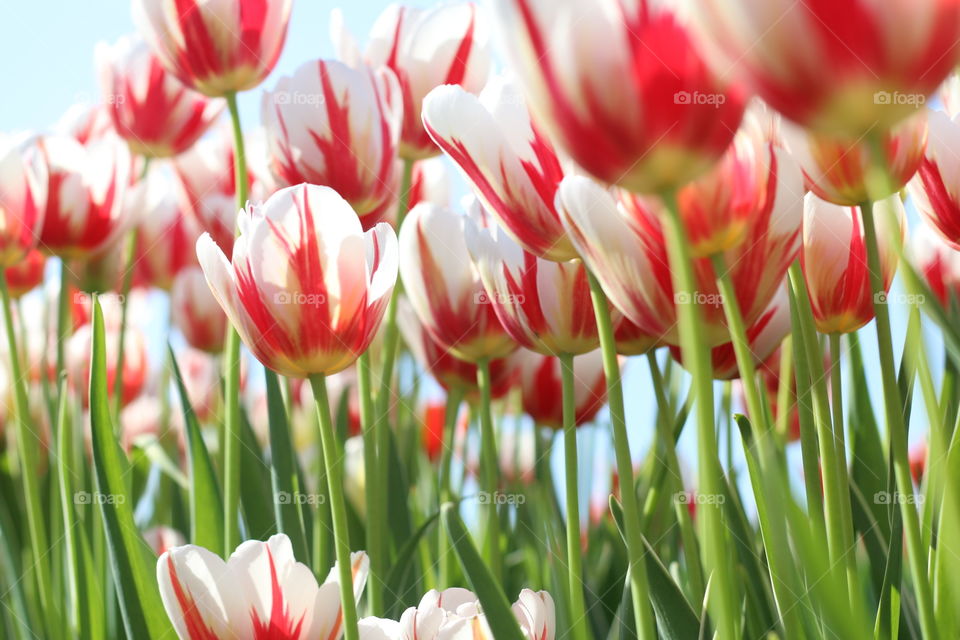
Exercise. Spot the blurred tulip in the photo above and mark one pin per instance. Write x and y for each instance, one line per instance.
(306, 288)
(134, 362)
(26, 275)
(260, 591)
(166, 237)
(85, 195)
(510, 163)
(153, 111)
(23, 198)
(431, 181)
(950, 94)
(834, 260)
(201, 377)
(84, 123)
(918, 461)
(196, 313)
(217, 48)
(769, 372)
(101, 271)
(144, 420)
(433, 417)
(628, 96)
(541, 388)
(937, 261)
(444, 287)
(843, 170)
(424, 48)
(936, 187)
(631, 339)
(623, 245)
(846, 67)
(161, 539)
(333, 125)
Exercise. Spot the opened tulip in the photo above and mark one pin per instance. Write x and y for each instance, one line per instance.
(424, 48)
(540, 387)
(507, 159)
(834, 260)
(217, 48)
(669, 118)
(85, 195)
(848, 171)
(444, 287)
(937, 261)
(260, 591)
(846, 67)
(936, 187)
(166, 237)
(337, 126)
(26, 275)
(23, 198)
(305, 288)
(153, 111)
(196, 313)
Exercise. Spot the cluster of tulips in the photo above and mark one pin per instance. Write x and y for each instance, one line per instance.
(719, 186)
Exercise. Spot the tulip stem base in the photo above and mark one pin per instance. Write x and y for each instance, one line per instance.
(489, 472)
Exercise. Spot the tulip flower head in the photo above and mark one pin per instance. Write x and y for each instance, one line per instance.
(844, 67)
(166, 237)
(937, 261)
(834, 260)
(196, 313)
(153, 111)
(936, 187)
(27, 274)
(305, 288)
(216, 48)
(431, 181)
(84, 122)
(23, 199)
(628, 95)
(260, 591)
(78, 351)
(424, 48)
(541, 387)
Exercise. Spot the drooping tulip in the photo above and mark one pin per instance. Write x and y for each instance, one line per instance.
(424, 48)
(628, 96)
(23, 199)
(844, 171)
(196, 313)
(935, 188)
(260, 591)
(846, 67)
(217, 48)
(541, 387)
(153, 111)
(337, 126)
(27, 274)
(937, 262)
(305, 288)
(834, 260)
(444, 287)
(166, 237)
(85, 195)
(78, 352)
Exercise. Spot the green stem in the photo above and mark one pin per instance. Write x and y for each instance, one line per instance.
(896, 430)
(637, 571)
(489, 471)
(724, 604)
(785, 385)
(63, 316)
(578, 608)
(332, 457)
(232, 435)
(374, 526)
(129, 257)
(445, 493)
(28, 445)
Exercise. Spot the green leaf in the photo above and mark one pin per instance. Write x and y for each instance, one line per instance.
(206, 501)
(255, 495)
(495, 605)
(135, 575)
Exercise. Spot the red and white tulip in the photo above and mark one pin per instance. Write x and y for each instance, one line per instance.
(78, 351)
(936, 261)
(26, 275)
(23, 199)
(166, 237)
(196, 312)
(541, 387)
(936, 187)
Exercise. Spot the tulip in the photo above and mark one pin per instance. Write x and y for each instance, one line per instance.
(540, 387)
(84, 123)
(843, 170)
(424, 48)
(23, 199)
(844, 68)
(153, 111)
(507, 159)
(918, 461)
(431, 181)
(216, 48)
(950, 94)
(333, 125)
(196, 313)
(145, 420)
(834, 260)
(937, 261)
(305, 288)
(935, 188)
(769, 371)
(134, 362)
(631, 339)
(668, 119)
(260, 591)
(444, 287)
(26, 275)
(85, 195)
(201, 377)
(166, 237)
(162, 539)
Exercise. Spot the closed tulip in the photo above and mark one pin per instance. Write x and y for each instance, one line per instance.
(444, 287)
(196, 313)
(23, 199)
(305, 288)
(628, 96)
(541, 389)
(260, 591)
(337, 126)
(26, 275)
(846, 67)
(166, 237)
(937, 261)
(153, 111)
(431, 181)
(424, 48)
(834, 260)
(507, 158)
(936, 187)
(217, 48)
